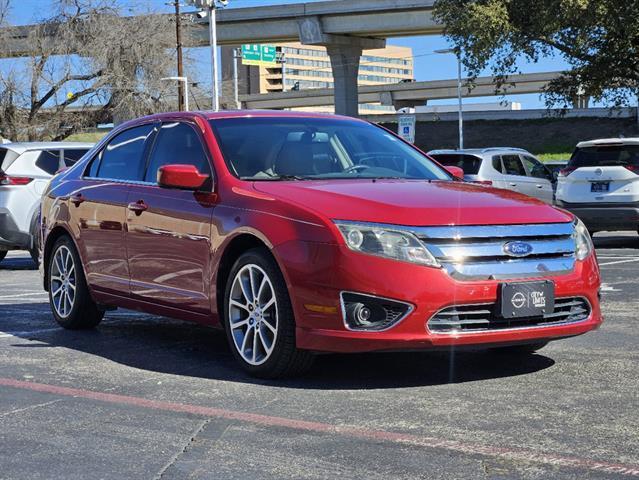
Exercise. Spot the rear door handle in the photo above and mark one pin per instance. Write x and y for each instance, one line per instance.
(513, 184)
(138, 207)
(77, 199)
(539, 186)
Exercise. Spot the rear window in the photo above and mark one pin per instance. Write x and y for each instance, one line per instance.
(468, 163)
(49, 161)
(605, 156)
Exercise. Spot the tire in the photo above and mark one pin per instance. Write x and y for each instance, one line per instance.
(3, 253)
(73, 308)
(524, 349)
(35, 234)
(271, 353)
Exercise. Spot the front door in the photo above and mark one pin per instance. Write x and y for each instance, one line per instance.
(539, 179)
(168, 235)
(98, 209)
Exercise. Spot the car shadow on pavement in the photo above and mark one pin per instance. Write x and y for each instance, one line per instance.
(157, 344)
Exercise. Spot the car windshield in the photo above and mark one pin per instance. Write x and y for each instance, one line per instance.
(269, 148)
(468, 163)
(605, 156)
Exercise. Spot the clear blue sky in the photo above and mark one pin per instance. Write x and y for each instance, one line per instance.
(428, 66)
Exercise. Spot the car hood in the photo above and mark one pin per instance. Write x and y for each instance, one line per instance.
(413, 202)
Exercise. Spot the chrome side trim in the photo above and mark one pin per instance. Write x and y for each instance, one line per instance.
(410, 306)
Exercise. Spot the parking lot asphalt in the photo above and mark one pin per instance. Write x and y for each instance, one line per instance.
(145, 397)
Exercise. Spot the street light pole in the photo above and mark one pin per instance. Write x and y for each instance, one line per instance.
(237, 54)
(181, 80)
(460, 114)
(213, 36)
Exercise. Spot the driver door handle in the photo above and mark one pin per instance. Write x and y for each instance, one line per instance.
(539, 186)
(138, 207)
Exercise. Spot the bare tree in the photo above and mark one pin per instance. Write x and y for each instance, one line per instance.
(88, 65)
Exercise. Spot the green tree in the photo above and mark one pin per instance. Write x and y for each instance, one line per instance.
(599, 39)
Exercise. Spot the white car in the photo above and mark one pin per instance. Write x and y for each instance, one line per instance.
(600, 184)
(25, 170)
(502, 167)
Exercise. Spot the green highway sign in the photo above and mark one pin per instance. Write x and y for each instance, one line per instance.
(264, 55)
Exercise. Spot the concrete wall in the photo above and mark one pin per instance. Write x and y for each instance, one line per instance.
(536, 135)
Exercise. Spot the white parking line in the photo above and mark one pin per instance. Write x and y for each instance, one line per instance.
(28, 294)
(30, 332)
(628, 260)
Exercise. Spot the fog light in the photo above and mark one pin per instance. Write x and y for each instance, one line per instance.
(367, 312)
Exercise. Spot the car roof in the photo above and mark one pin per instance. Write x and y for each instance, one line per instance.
(21, 147)
(478, 151)
(609, 141)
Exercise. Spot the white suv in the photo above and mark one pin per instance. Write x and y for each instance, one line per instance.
(25, 170)
(600, 184)
(502, 167)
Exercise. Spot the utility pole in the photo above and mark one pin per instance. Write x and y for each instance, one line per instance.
(178, 46)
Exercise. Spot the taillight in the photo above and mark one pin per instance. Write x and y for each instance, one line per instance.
(564, 172)
(8, 180)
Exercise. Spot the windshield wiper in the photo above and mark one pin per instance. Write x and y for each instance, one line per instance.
(276, 178)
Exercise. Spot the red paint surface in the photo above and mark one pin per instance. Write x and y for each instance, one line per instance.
(513, 454)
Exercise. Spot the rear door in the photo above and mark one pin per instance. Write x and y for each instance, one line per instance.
(514, 173)
(168, 230)
(601, 174)
(539, 179)
(98, 208)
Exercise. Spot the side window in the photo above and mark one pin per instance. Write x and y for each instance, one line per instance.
(49, 161)
(72, 156)
(177, 143)
(536, 168)
(513, 165)
(123, 157)
(497, 164)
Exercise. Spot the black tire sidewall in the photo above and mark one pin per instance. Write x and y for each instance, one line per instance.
(77, 319)
(285, 320)
(3, 254)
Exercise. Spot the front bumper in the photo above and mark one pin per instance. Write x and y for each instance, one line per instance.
(317, 273)
(608, 217)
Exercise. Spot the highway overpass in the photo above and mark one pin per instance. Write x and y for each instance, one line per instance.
(345, 28)
(401, 95)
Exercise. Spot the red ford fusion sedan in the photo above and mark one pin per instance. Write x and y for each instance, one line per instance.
(300, 233)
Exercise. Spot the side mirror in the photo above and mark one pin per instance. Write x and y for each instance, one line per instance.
(184, 177)
(455, 171)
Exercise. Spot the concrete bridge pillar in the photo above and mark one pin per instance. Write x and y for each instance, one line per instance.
(345, 64)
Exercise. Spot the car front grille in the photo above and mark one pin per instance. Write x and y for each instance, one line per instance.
(483, 317)
(481, 253)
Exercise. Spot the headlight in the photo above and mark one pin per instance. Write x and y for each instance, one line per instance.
(385, 241)
(583, 242)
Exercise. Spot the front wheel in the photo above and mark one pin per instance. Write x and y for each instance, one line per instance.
(69, 297)
(259, 320)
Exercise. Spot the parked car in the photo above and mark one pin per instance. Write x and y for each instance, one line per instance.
(600, 184)
(25, 169)
(300, 233)
(508, 168)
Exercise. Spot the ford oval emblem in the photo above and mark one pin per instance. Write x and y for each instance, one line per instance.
(518, 249)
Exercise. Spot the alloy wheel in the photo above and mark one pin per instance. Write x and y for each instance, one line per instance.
(253, 316)
(63, 282)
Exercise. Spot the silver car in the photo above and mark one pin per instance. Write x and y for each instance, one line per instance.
(502, 167)
(25, 170)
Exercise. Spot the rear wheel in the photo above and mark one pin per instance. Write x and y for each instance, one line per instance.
(35, 234)
(69, 297)
(259, 320)
(524, 349)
